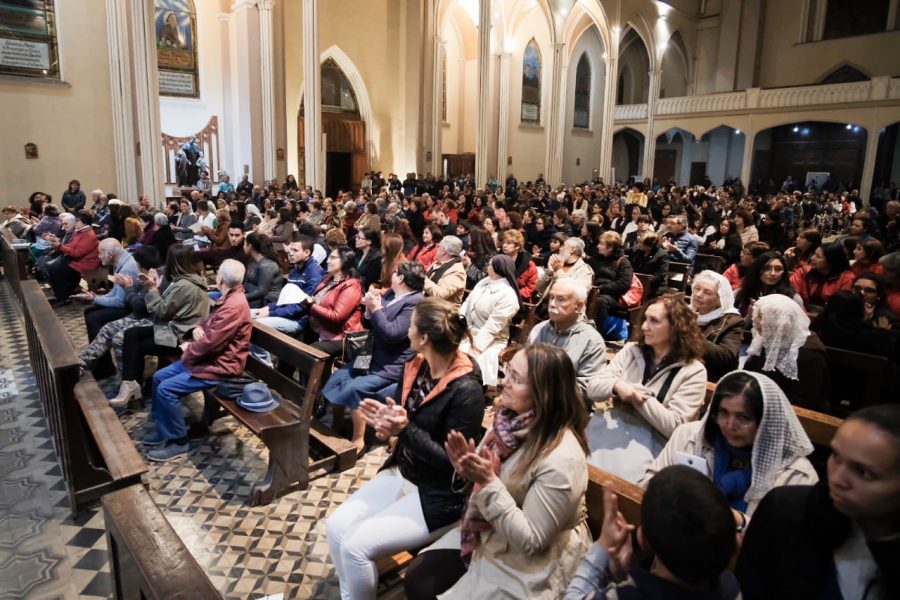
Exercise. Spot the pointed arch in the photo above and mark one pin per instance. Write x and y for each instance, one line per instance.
(583, 80)
(844, 73)
(360, 90)
(531, 83)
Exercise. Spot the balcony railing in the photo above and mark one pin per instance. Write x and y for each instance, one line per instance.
(880, 88)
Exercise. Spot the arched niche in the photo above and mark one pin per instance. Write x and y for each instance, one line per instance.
(632, 78)
(675, 67)
(887, 164)
(627, 153)
(845, 73)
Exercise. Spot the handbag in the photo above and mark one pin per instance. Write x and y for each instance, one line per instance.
(358, 352)
(635, 293)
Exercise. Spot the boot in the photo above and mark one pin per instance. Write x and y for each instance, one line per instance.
(127, 390)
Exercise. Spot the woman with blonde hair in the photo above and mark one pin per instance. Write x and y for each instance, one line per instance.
(523, 530)
(657, 383)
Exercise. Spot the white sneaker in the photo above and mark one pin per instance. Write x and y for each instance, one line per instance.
(127, 390)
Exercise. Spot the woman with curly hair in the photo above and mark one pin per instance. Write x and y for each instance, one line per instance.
(657, 383)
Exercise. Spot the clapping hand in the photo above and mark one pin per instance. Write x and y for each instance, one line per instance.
(554, 262)
(387, 419)
(198, 334)
(372, 300)
(475, 465)
(126, 281)
(150, 280)
(615, 536)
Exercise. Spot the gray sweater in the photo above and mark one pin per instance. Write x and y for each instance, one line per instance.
(582, 342)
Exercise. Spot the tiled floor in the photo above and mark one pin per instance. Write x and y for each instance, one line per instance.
(247, 552)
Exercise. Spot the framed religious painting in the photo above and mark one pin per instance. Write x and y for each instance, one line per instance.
(175, 24)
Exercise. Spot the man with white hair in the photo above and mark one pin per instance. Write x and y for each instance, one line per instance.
(110, 307)
(446, 277)
(568, 329)
(78, 252)
(680, 243)
(567, 264)
(218, 350)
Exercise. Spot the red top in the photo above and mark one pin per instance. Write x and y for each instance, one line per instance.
(423, 254)
(526, 282)
(339, 311)
(733, 276)
(83, 250)
(819, 293)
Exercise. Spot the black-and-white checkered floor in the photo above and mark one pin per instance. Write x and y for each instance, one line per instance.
(247, 552)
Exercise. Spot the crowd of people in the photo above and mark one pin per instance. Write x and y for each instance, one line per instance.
(434, 275)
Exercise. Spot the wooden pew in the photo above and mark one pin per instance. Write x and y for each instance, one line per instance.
(298, 445)
(15, 265)
(711, 262)
(147, 558)
(857, 379)
(95, 452)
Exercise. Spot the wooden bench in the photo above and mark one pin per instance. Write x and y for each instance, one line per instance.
(147, 558)
(298, 445)
(96, 454)
(679, 276)
(15, 265)
(709, 262)
(857, 379)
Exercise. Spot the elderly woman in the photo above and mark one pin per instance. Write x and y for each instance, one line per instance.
(411, 499)
(784, 349)
(389, 318)
(488, 310)
(720, 322)
(77, 252)
(523, 530)
(748, 442)
(163, 238)
(829, 273)
(657, 384)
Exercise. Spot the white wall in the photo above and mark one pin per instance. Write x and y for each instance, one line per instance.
(673, 80)
(579, 143)
(528, 142)
(71, 124)
(185, 116)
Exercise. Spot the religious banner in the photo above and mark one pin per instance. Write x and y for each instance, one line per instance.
(28, 38)
(176, 48)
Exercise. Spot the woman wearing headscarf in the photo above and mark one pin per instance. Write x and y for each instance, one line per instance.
(785, 350)
(749, 440)
(488, 310)
(720, 322)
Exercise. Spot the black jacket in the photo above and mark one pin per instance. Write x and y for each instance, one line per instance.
(369, 268)
(456, 402)
(788, 550)
(723, 345)
(612, 274)
(656, 265)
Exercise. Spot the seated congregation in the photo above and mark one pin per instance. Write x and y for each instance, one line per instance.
(507, 342)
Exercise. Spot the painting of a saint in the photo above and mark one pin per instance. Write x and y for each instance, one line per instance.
(170, 35)
(531, 83)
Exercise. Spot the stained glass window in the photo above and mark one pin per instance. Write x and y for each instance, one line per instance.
(176, 48)
(531, 84)
(28, 45)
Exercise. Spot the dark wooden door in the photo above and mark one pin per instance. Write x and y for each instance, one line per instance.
(664, 165)
(698, 173)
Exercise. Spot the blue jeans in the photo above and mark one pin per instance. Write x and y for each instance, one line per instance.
(169, 385)
(288, 326)
(345, 389)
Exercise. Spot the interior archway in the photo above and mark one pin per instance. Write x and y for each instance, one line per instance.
(627, 154)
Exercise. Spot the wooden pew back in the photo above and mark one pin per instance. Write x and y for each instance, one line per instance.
(15, 266)
(94, 450)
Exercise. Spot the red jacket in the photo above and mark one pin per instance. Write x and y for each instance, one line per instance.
(893, 301)
(859, 267)
(339, 312)
(819, 293)
(424, 255)
(733, 276)
(526, 281)
(83, 250)
(222, 352)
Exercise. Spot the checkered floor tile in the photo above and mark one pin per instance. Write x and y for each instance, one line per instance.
(247, 552)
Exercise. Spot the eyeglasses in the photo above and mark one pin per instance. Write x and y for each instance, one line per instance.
(740, 421)
(864, 290)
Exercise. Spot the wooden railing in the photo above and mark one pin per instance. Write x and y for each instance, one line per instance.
(95, 452)
(15, 266)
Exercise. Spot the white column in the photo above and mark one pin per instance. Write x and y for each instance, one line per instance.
(747, 163)
(146, 100)
(609, 108)
(484, 91)
(503, 119)
(267, 75)
(556, 115)
(437, 121)
(120, 87)
(650, 139)
(873, 132)
(312, 95)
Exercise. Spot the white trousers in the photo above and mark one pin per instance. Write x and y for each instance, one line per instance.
(382, 518)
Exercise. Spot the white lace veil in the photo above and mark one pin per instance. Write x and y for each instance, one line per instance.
(785, 328)
(780, 439)
(726, 297)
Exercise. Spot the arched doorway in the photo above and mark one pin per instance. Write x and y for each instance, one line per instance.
(346, 159)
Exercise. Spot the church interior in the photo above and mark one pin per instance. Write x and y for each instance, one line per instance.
(155, 104)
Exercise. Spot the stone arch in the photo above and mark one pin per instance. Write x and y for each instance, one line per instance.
(844, 73)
